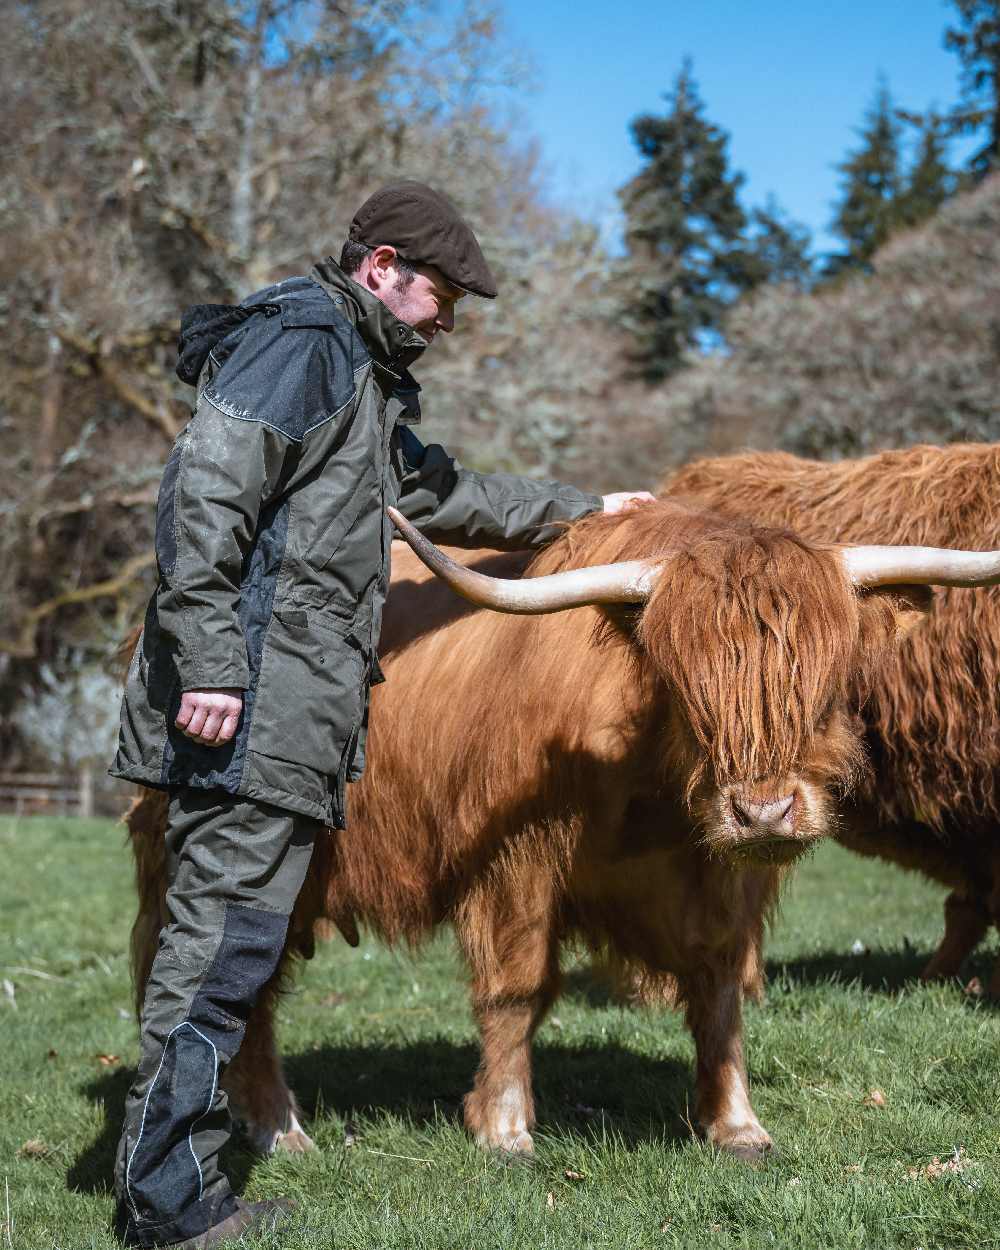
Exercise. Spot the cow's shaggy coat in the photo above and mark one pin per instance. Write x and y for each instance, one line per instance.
(582, 774)
(932, 799)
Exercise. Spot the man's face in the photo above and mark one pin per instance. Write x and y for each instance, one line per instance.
(427, 303)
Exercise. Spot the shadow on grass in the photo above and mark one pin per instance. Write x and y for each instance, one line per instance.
(883, 971)
(585, 1091)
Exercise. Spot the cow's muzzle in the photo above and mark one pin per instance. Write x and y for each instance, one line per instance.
(765, 826)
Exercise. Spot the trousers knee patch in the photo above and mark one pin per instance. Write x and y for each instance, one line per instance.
(252, 942)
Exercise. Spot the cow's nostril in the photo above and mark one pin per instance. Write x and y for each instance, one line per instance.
(743, 817)
(767, 815)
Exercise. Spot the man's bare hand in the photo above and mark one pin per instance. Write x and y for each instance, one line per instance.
(625, 499)
(210, 716)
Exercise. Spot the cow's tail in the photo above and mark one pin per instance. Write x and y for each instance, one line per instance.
(146, 820)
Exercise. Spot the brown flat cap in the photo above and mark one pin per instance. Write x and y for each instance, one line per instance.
(425, 227)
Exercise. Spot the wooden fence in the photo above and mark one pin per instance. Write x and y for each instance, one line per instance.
(52, 793)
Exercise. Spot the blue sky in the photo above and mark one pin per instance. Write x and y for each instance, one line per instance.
(788, 81)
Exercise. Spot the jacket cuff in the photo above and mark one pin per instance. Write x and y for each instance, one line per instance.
(203, 673)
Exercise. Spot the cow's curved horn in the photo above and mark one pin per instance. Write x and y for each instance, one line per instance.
(921, 566)
(630, 581)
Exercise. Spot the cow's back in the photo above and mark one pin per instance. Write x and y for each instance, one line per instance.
(420, 603)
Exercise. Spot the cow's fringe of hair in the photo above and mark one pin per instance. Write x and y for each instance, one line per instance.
(721, 579)
(932, 710)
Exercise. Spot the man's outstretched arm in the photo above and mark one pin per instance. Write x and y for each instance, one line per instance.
(461, 508)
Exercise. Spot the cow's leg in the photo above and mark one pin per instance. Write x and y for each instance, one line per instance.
(509, 939)
(255, 1083)
(723, 1110)
(966, 920)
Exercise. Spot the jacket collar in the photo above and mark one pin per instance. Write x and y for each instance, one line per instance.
(393, 344)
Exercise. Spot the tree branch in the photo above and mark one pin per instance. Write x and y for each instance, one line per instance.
(157, 413)
(24, 647)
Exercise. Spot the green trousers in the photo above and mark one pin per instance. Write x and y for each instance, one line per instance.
(235, 868)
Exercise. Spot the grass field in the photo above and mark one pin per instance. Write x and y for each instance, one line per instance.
(380, 1048)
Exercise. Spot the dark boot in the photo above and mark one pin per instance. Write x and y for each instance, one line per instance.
(252, 1217)
(249, 1217)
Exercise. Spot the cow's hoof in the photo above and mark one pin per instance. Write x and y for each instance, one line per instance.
(749, 1143)
(267, 1140)
(510, 1146)
(748, 1152)
(297, 1142)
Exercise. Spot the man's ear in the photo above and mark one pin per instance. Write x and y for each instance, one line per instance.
(380, 261)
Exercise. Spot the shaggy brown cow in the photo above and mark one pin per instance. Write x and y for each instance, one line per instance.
(932, 802)
(638, 775)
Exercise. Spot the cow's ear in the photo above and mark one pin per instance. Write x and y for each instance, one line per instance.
(618, 621)
(889, 613)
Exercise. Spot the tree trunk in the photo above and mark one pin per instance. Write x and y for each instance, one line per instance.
(242, 215)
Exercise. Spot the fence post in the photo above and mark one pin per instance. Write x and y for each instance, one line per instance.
(86, 794)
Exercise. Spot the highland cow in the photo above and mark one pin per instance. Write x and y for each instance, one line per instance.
(639, 773)
(932, 715)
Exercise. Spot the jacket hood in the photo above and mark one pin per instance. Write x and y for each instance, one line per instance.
(202, 326)
(392, 342)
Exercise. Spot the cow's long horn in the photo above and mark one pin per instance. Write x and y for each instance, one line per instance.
(921, 566)
(630, 581)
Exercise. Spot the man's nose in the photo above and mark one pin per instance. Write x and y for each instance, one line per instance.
(446, 320)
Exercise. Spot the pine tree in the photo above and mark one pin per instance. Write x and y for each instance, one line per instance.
(779, 248)
(684, 231)
(930, 180)
(977, 43)
(871, 182)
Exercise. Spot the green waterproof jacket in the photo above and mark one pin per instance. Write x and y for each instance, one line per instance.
(272, 539)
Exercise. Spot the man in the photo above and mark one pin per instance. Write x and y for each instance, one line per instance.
(247, 696)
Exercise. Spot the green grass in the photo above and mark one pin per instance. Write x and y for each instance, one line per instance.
(384, 1042)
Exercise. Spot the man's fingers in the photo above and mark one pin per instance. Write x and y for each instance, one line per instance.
(213, 723)
(188, 705)
(210, 716)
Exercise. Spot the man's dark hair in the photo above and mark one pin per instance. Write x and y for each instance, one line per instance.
(352, 254)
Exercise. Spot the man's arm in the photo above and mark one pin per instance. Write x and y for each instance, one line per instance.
(222, 471)
(461, 508)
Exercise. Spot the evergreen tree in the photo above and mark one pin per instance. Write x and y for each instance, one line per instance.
(871, 182)
(930, 180)
(977, 43)
(684, 231)
(779, 248)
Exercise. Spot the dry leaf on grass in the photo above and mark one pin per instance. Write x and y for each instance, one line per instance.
(34, 1149)
(550, 1200)
(350, 1134)
(664, 1226)
(108, 1061)
(572, 1175)
(875, 1098)
(933, 1171)
(974, 989)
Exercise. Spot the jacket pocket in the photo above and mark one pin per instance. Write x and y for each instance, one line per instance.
(308, 702)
